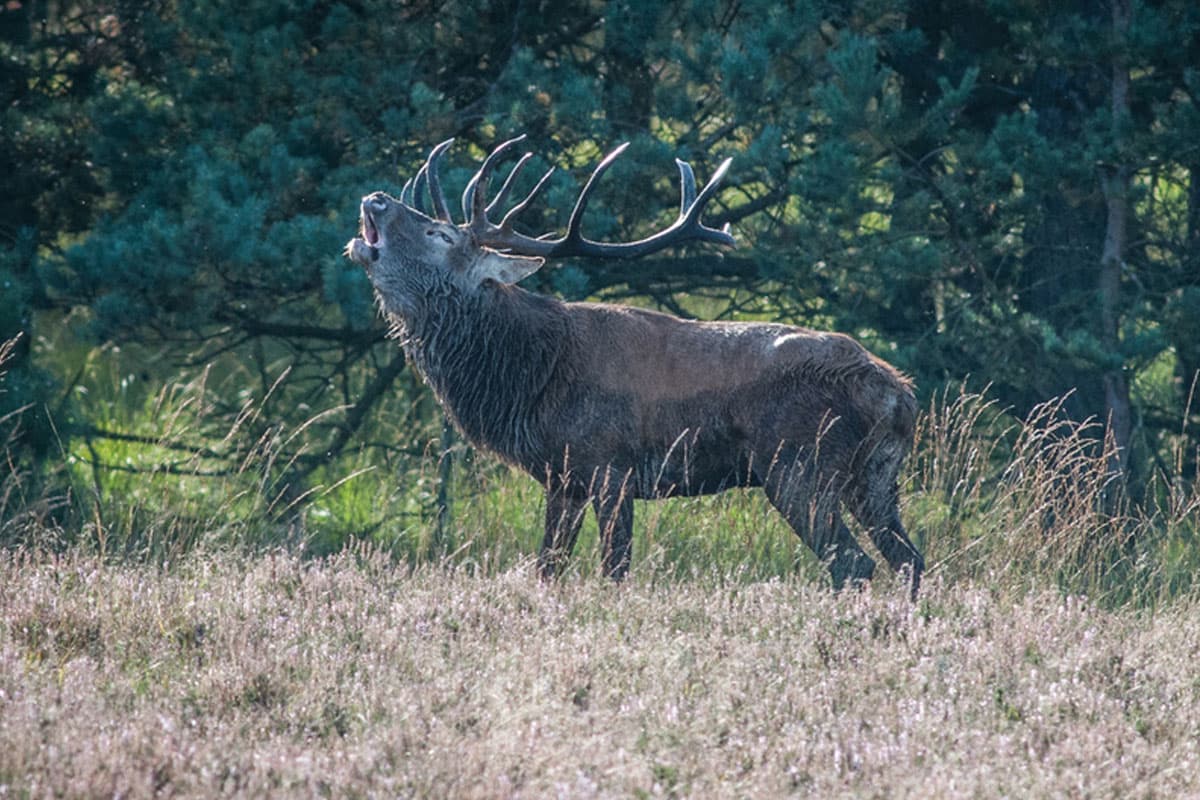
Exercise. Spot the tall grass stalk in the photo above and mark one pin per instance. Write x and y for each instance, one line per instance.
(1035, 503)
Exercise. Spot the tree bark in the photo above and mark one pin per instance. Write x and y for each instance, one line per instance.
(1115, 180)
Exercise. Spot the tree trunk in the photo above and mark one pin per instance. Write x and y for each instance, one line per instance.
(1114, 180)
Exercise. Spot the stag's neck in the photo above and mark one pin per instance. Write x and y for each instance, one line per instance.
(488, 357)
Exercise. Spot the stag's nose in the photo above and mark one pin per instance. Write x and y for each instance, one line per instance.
(376, 201)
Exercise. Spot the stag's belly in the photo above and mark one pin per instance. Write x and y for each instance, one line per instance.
(661, 449)
(697, 461)
(704, 442)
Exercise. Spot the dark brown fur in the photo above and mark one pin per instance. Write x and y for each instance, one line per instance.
(605, 404)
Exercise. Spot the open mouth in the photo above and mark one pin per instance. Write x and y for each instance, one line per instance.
(370, 232)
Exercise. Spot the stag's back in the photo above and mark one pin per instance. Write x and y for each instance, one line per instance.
(663, 359)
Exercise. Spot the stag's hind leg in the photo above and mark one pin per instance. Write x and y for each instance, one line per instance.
(875, 502)
(888, 534)
(809, 503)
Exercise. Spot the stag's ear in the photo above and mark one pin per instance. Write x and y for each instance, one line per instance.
(504, 268)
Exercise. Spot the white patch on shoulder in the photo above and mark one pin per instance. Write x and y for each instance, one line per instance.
(792, 340)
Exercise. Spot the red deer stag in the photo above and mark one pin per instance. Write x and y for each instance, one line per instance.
(606, 403)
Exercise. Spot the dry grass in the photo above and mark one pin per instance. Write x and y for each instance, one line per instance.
(355, 676)
(1034, 503)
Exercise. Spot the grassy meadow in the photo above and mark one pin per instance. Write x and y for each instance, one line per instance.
(160, 636)
(358, 676)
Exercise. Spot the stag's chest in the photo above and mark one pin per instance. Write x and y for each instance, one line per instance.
(494, 402)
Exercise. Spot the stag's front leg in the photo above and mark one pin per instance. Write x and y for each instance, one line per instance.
(614, 517)
(564, 515)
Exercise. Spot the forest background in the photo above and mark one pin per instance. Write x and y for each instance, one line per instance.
(998, 196)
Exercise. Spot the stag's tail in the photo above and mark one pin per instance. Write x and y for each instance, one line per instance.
(885, 398)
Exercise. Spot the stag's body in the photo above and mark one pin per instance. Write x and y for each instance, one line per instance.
(605, 404)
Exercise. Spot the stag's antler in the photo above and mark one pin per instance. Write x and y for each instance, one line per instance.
(687, 227)
(413, 192)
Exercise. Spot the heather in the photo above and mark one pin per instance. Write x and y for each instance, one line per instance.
(355, 675)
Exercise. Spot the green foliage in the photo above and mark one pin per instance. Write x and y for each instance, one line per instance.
(1020, 505)
(180, 180)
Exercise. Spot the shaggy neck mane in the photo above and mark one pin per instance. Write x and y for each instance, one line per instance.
(488, 357)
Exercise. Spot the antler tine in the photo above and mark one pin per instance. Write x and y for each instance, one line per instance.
(708, 191)
(475, 195)
(506, 223)
(406, 193)
(502, 196)
(576, 220)
(419, 185)
(687, 186)
(440, 209)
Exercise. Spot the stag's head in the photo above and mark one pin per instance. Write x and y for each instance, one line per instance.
(411, 252)
(406, 250)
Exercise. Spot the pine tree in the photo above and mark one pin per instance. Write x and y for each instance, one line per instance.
(938, 179)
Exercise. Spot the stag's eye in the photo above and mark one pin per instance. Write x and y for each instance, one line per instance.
(445, 238)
